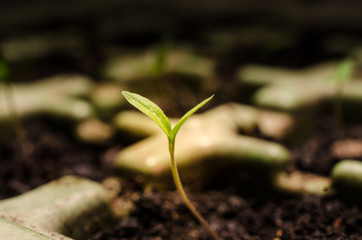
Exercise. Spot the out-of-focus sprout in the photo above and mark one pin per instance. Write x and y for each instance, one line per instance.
(162, 52)
(10, 102)
(343, 74)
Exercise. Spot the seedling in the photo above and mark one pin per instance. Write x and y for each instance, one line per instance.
(156, 114)
(343, 73)
(162, 52)
(9, 98)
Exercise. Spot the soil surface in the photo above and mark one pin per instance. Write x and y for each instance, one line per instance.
(162, 215)
(48, 153)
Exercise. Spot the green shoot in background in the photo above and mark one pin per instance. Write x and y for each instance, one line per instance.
(156, 114)
(162, 52)
(343, 74)
(9, 99)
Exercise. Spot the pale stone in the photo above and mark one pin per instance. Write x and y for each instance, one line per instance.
(59, 96)
(347, 148)
(94, 131)
(107, 99)
(347, 179)
(207, 143)
(302, 183)
(70, 206)
(295, 90)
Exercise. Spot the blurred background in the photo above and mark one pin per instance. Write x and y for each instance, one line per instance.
(60, 36)
(40, 39)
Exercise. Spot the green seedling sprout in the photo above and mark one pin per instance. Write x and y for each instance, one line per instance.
(162, 52)
(343, 73)
(156, 114)
(9, 99)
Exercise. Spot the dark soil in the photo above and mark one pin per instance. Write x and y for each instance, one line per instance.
(327, 146)
(50, 152)
(163, 215)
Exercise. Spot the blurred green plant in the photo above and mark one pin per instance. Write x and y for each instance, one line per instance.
(344, 72)
(157, 115)
(4, 71)
(162, 52)
(10, 102)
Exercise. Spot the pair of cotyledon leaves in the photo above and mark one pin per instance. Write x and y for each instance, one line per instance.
(156, 114)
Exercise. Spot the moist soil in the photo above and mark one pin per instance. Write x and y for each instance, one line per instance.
(51, 153)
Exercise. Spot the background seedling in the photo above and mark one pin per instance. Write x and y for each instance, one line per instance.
(9, 99)
(13, 113)
(163, 49)
(343, 74)
(156, 114)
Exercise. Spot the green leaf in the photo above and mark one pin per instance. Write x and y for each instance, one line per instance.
(161, 56)
(185, 117)
(344, 70)
(150, 109)
(4, 71)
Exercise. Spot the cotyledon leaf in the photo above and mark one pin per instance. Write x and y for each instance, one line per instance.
(345, 70)
(150, 109)
(185, 117)
(4, 71)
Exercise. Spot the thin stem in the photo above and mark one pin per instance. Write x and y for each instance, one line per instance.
(182, 193)
(19, 130)
(18, 127)
(338, 111)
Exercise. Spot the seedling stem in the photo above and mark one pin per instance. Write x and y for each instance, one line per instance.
(9, 99)
(343, 74)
